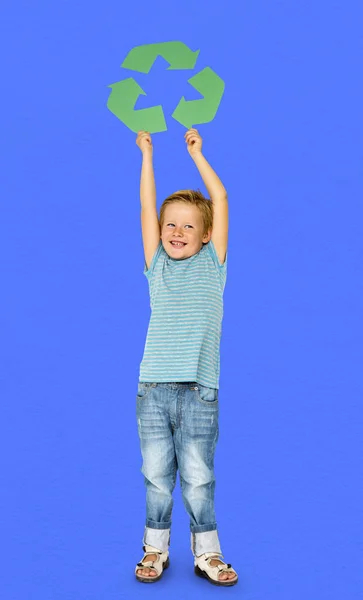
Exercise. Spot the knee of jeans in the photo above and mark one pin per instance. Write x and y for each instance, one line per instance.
(158, 479)
(192, 478)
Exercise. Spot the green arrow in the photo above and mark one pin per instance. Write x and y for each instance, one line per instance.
(177, 54)
(121, 103)
(193, 112)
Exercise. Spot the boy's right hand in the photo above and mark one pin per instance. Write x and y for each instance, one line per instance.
(144, 142)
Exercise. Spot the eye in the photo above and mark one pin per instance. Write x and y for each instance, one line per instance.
(185, 226)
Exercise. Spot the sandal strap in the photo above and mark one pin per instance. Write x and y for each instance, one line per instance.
(151, 550)
(204, 561)
(146, 563)
(223, 567)
(156, 564)
(207, 555)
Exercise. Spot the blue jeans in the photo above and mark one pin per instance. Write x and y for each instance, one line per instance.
(178, 429)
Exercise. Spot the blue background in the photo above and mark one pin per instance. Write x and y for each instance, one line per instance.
(287, 144)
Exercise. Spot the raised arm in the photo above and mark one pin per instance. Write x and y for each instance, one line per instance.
(216, 191)
(149, 216)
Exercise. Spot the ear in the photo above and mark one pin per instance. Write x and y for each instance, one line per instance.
(207, 236)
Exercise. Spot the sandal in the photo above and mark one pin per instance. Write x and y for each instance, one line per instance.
(203, 568)
(161, 563)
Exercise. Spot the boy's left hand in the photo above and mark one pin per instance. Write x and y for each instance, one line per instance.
(194, 141)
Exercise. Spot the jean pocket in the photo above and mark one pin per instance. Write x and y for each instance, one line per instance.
(206, 395)
(143, 389)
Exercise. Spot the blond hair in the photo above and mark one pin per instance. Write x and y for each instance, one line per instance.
(191, 197)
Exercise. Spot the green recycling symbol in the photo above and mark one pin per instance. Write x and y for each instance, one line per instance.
(124, 94)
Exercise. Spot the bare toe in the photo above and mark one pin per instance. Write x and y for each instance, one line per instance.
(224, 576)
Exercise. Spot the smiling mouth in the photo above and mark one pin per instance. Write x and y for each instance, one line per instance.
(178, 245)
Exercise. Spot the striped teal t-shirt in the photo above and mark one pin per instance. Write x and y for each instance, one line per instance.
(186, 300)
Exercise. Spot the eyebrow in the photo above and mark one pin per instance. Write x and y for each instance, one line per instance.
(173, 221)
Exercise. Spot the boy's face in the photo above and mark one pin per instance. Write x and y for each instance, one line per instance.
(183, 223)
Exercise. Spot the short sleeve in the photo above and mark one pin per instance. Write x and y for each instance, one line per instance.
(149, 271)
(213, 253)
(221, 269)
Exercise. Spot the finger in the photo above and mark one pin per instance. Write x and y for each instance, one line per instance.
(191, 134)
(190, 131)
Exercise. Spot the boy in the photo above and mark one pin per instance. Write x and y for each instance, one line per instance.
(177, 399)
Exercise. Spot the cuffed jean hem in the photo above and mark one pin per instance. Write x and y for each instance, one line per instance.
(203, 528)
(157, 537)
(157, 524)
(206, 541)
